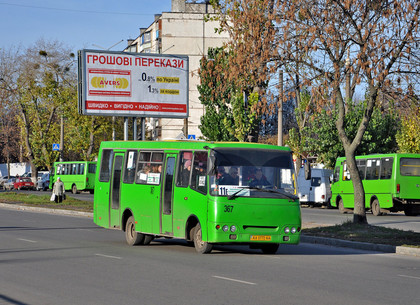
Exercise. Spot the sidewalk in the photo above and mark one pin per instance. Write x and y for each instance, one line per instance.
(304, 238)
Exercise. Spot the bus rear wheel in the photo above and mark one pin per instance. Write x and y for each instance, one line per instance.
(376, 208)
(133, 238)
(74, 189)
(201, 246)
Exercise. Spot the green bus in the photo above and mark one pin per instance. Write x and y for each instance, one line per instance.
(391, 183)
(76, 175)
(204, 192)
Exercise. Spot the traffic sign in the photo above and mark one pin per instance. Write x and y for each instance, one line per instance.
(56, 147)
(191, 137)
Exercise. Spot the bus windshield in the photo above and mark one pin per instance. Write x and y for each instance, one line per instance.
(252, 173)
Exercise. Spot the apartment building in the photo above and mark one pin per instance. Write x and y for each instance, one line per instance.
(183, 31)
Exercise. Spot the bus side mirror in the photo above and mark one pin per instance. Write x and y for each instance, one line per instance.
(307, 169)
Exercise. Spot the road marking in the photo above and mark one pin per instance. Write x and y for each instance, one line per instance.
(28, 240)
(233, 280)
(108, 256)
(410, 277)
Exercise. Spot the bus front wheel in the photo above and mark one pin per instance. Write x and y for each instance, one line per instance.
(133, 238)
(376, 208)
(201, 246)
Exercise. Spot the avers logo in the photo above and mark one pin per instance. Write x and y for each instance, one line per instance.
(102, 82)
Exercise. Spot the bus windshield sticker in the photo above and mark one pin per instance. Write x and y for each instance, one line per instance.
(202, 181)
(227, 190)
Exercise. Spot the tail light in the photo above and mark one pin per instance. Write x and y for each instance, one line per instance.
(398, 188)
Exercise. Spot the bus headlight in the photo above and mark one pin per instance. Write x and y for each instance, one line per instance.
(225, 228)
(287, 230)
(293, 230)
(233, 229)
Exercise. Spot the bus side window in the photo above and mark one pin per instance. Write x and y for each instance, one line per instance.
(184, 169)
(336, 174)
(106, 165)
(149, 167)
(361, 166)
(199, 171)
(386, 168)
(372, 169)
(346, 172)
(130, 167)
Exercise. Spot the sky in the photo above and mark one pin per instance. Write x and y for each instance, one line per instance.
(78, 24)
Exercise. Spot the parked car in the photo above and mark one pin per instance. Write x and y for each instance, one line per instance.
(3, 180)
(43, 183)
(24, 183)
(9, 184)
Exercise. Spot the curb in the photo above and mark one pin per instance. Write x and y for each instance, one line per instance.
(361, 245)
(46, 210)
(303, 238)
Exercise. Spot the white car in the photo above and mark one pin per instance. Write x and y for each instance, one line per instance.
(9, 184)
(3, 180)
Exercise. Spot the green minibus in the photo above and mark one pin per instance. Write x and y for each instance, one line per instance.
(204, 192)
(76, 175)
(391, 183)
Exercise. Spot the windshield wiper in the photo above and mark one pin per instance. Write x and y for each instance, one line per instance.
(234, 195)
(294, 197)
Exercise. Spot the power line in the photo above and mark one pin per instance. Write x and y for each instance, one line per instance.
(73, 10)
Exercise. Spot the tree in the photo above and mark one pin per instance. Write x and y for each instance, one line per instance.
(9, 143)
(215, 96)
(323, 140)
(378, 39)
(408, 137)
(41, 84)
(251, 49)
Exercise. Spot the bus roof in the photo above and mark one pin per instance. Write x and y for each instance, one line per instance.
(400, 155)
(185, 145)
(72, 162)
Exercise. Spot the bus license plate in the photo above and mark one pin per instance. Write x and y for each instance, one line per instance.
(260, 237)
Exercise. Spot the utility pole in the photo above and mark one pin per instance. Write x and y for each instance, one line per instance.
(61, 138)
(280, 111)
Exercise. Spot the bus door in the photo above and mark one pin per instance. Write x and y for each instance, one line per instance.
(115, 192)
(166, 201)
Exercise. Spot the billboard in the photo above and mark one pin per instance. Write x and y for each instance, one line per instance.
(132, 84)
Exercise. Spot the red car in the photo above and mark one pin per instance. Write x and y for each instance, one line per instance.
(24, 183)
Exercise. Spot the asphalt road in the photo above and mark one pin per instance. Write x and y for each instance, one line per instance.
(54, 259)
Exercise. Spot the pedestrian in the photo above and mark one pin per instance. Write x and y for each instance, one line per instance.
(58, 190)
